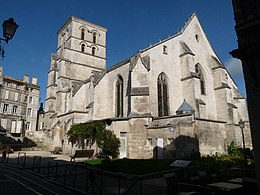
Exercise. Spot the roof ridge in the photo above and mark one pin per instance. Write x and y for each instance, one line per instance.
(171, 36)
(155, 44)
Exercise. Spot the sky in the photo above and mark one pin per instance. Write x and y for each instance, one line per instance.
(132, 25)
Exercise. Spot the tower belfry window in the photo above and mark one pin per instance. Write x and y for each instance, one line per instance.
(83, 48)
(93, 51)
(94, 37)
(82, 34)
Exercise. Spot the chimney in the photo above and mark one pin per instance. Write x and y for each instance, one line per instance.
(34, 80)
(26, 78)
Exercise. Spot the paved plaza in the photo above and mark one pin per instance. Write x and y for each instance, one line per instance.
(58, 169)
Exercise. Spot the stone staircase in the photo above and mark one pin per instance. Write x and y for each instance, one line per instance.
(17, 143)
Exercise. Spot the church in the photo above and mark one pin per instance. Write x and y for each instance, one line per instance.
(172, 99)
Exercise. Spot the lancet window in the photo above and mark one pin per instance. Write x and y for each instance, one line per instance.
(119, 97)
(163, 100)
(201, 77)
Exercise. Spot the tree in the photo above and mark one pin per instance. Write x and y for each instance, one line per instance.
(80, 132)
(108, 142)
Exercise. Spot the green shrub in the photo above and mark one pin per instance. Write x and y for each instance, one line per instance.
(108, 142)
(79, 132)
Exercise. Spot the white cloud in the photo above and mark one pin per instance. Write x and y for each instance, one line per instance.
(234, 67)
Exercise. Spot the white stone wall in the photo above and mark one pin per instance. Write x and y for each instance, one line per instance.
(105, 93)
(82, 96)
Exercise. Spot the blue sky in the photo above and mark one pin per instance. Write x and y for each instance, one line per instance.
(132, 25)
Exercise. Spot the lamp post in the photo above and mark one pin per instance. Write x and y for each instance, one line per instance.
(242, 126)
(9, 29)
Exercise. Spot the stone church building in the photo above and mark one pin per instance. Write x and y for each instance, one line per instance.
(172, 99)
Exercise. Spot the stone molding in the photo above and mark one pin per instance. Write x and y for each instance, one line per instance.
(139, 91)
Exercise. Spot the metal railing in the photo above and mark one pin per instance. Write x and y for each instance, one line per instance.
(90, 179)
(21, 159)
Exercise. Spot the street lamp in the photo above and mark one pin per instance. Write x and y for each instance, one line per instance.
(242, 126)
(9, 29)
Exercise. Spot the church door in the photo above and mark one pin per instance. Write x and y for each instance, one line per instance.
(159, 148)
(122, 145)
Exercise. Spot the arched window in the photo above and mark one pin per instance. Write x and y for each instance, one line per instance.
(93, 51)
(83, 48)
(201, 77)
(119, 97)
(82, 34)
(94, 37)
(163, 102)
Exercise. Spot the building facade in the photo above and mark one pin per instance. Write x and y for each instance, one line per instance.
(18, 105)
(247, 19)
(169, 100)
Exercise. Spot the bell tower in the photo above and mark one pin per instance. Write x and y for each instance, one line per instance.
(81, 50)
(82, 44)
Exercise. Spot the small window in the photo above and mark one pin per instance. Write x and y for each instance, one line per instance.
(165, 49)
(83, 48)
(82, 34)
(30, 100)
(94, 37)
(197, 38)
(6, 95)
(29, 112)
(5, 108)
(16, 97)
(93, 51)
(15, 109)
(28, 126)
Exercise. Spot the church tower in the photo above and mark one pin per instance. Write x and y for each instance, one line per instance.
(81, 50)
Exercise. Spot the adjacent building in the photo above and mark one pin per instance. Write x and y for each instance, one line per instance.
(172, 99)
(247, 18)
(18, 105)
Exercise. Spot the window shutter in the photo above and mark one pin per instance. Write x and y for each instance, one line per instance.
(19, 127)
(16, 97)
(13, 127)
(6, 95)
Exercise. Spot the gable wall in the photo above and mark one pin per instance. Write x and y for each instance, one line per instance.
(169, 64)
(203, 52)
